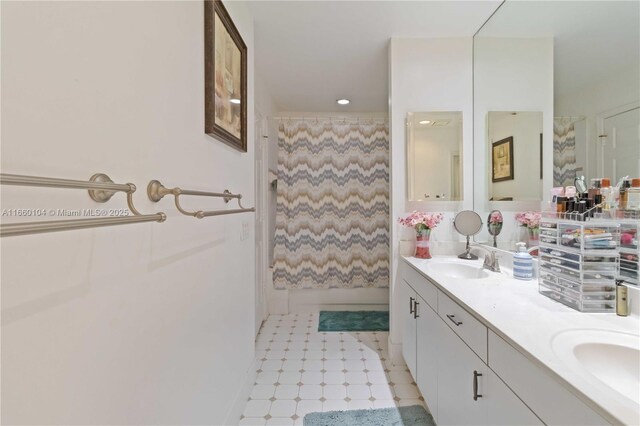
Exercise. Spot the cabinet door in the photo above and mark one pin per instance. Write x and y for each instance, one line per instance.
(504, 407)
(427, 360)
(408, 297)
(456, 366)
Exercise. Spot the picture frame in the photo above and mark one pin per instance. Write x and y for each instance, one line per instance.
(502, 160)
(225, 77)
(541, 156)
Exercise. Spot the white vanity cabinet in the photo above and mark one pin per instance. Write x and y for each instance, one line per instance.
(460, 381)
(446, 349)
(420, 351)
(409, 326)
(427, 354)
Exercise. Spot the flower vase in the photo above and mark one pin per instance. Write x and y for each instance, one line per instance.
(534, 239)
(422, 244)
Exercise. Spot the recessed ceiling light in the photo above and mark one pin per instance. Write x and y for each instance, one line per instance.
(234, 101)
(343, 101)
(424, 122)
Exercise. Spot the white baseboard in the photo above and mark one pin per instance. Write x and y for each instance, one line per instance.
(233, 418)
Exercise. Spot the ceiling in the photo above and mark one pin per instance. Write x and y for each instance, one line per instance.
(310, 53)
(592, 39)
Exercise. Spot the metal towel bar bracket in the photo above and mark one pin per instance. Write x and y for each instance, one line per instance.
(100, 188)
(157, 191)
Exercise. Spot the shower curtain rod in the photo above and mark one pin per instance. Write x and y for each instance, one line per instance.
(574, 118)
(331, 118)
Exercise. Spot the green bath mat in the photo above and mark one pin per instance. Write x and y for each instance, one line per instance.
(354, 321)
(414, 415)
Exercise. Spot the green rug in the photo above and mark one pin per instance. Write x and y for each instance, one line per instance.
(414, 415)
(354, 321)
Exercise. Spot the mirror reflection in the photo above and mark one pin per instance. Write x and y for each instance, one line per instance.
(514, 145)
(494, 225)
(597, 108)
(576, 63)
(434, 156)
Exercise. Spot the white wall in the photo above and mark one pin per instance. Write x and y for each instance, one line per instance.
(140, 324)
(510, 74)
(525, 128)
(606, 93)
(426, 75)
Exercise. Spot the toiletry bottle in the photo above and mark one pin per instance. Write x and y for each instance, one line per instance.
(596, 184)
(570, 209)
(633, 198)
(624, 188)
(605, 190)
(598, 204)
(561, 206)
(622, 305)
(522, 263)
(582, 208)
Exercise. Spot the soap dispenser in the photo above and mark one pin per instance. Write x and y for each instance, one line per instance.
(522, 263)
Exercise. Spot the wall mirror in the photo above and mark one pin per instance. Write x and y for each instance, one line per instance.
(434, 156)
(514, 147)
(577, 63)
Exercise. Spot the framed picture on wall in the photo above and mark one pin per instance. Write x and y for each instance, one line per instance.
(225, 75)
(502, 160)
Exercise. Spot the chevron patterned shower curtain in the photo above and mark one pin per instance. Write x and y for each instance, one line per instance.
(564, 152)
(332, 220)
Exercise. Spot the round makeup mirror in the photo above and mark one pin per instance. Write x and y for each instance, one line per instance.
(468, 223)
(581, 184)
(494, 225)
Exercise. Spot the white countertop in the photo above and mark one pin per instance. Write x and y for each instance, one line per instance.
(529, 321)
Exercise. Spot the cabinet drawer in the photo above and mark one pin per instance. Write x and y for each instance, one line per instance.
(421, 285)
(554, 404)
(470, 330)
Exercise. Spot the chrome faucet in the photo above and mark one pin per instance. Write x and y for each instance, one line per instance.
(491, 259)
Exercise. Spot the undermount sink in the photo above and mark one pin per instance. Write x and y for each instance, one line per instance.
(458, 270)
(613, 358)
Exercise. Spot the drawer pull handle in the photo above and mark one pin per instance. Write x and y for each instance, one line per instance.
(475, 385)
(415, 309)
(411, 299)
(452, 319)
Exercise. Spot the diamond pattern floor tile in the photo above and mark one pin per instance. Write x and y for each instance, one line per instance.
(301, 370)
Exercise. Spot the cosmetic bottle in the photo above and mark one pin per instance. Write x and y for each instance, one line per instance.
(571, 205)
(624, 188)
(522, 263)
(633, 195)
(590, 209)
(594, 190)
(561, 206)
(582, 208)
(597, 201)
(622, 304)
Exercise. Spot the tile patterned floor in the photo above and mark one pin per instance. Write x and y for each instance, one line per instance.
(303, 371)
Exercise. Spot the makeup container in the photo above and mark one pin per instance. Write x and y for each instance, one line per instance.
(561, 206)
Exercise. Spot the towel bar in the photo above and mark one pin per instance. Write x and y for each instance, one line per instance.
(156, 191)
(100, 188)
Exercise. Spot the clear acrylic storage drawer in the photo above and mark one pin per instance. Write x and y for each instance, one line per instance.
(586, 236)
(629, 251)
